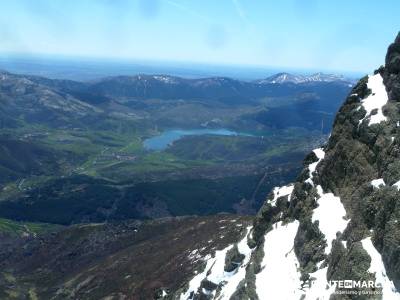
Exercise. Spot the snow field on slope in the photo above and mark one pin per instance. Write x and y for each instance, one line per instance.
(330, 214)
(279, 277)
(376, 100)
(377, 267)
(330, 211)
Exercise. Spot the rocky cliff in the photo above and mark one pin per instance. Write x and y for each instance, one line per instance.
(334, 233)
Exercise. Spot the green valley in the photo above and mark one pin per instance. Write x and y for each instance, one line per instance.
(74, 152)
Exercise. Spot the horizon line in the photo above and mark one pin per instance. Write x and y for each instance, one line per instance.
(189, 65)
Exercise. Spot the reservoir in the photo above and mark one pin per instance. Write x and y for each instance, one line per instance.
(160, 142)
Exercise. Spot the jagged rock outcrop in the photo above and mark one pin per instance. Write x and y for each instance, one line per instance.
(334, 233)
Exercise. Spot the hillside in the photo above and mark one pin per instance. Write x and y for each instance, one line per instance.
(131, 259)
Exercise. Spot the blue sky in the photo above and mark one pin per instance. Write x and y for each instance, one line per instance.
(336, 35)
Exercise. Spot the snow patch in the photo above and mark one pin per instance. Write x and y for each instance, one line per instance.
(312, 167)
(330, 214)
(281, 192)
(397, 185)
(377, 267)
(165, 79)
(377, 183)
(194, 255)
(279, 277)
(376, 100)
(319, 152)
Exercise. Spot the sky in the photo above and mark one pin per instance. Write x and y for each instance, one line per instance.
(338, 35)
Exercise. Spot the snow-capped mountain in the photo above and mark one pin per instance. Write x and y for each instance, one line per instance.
(171, 87)
(296, 79)
(334, 233)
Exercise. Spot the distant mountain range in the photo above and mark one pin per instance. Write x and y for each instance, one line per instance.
(66, 102)
(297, 79)
(224, 89)
(210, 82)
(93, 69)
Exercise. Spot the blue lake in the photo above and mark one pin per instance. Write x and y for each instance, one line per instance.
(162, 141)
